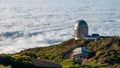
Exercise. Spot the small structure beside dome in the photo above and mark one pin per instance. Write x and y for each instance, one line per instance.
(92, 37)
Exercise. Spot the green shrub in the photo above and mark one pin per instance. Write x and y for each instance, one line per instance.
(19, 57)
(116, 66)
(16, 61)
(67, 63)
(2, 66)
(29, 53)
(111, 54)
(16, 56)
(98, 53)
(92, 61)
(100, 60)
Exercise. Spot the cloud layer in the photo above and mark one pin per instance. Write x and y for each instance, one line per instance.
(27, 24)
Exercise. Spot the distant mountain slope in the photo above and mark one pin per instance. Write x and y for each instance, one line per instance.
(104, 52)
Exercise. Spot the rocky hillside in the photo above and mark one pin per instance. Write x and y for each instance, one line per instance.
(104, 52)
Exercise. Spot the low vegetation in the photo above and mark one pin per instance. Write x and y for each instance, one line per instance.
(17, 61)
(104, 52)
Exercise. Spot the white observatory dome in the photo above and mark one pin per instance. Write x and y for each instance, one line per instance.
(80, 29)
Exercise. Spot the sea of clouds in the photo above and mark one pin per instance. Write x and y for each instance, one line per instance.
(36, 23)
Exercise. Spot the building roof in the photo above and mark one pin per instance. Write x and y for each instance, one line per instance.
(45, 64)
(80, 23)
(92, 37)
(81, 50)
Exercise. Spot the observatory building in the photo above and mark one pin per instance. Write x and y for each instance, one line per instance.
(80, 54)
(80, 29)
